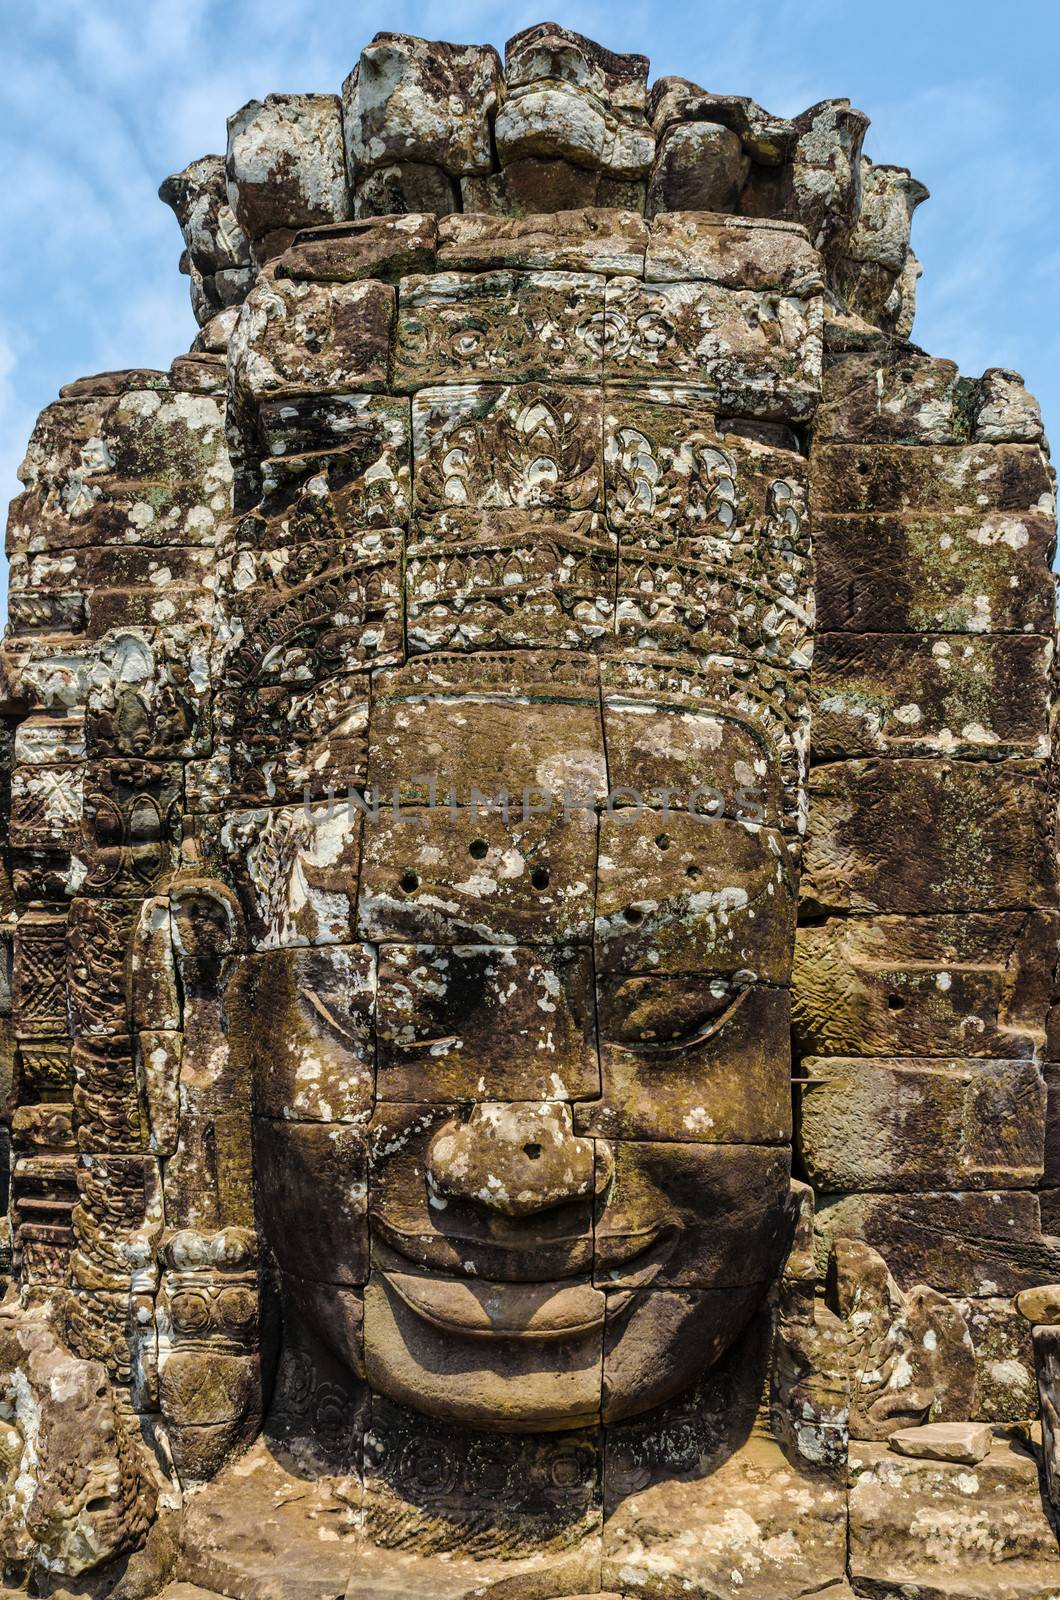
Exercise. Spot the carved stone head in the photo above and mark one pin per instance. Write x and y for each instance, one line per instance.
(406, 740)
(517, 700)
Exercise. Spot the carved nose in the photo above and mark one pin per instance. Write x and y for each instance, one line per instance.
(516, 1159)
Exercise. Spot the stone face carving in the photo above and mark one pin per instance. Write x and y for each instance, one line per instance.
(428, 711)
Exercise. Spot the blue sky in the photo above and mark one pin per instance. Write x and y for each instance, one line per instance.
(100, 99)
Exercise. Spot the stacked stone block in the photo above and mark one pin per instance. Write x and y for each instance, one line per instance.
(929, 887)
(428, 127)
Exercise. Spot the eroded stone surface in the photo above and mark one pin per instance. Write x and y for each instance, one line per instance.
(426, 708)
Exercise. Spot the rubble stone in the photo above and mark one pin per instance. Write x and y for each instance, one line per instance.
(944, 1441)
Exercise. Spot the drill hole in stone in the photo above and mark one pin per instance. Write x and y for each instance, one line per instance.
(540, 877)
(692, 872)
(663, 841)
(479, 849)
(532, 1152)
(895, 1002)
(409, 882)
(633, 915)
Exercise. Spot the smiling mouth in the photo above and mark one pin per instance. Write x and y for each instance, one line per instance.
(565, 1308)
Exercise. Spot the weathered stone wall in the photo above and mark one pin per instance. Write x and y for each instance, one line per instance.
(428, 127)
(517, 397)
(929, 879)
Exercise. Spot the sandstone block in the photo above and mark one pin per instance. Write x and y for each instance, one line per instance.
(710, 335)
(906, 695)
(965, 479)
(309, 1016)
(136, 433)
(465, 1380)
(441, 1012)
(1005, 413)
(98, 943)
(967, 573)
(336, 599)
(322, 761)
(889, 196)
(231, 1539)
(676, 481)
(991, 1537)
(567, 98)
(971, 985)
(694, 1327)
(1040, 1305)
(343, 252)
(909, 1357)
(148, 694)
(336, 501)
(736, 252)
(907, 399)
(538, 1496)
(919, 1124)
(681, 894)
(596, 240)
(305, 1170)
(199, 198)
(312, 900)
(118, 513)
(285, 165)
(510, 326)
(425, 880)
(519, 446)
(404, 187)
(729, 760)
(670, 603)
(510, 578)
(699, 166)
(1005, 1388)
(483, 725)
(916, 836)
(421, 100)
(825, 172)
(359, 443)
(979, 1245)
(130, 813)
(691, 1059)
(46, 806)
(329, 337)
(537, 184)
(532, 1227)
(728, 1205)
(743, 1511)
(1046, 1366)
(767, 139)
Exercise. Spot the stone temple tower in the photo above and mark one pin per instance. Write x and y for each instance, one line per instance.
(530, 1034)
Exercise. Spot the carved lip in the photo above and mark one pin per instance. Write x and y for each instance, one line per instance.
(508, 1258)
(565, 1308)
(478, 1310)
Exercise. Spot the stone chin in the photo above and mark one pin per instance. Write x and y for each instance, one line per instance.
(537, 1357)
